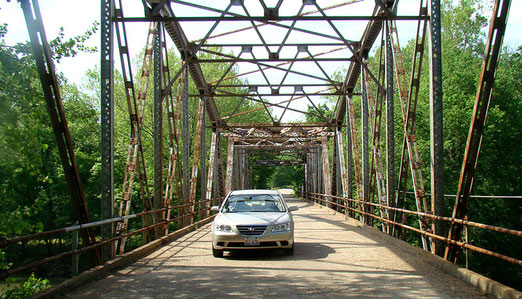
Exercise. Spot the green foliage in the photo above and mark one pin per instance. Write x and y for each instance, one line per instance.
(33, 191)
(69, 48)
(322, 109)
(32, 286)
(4, 265)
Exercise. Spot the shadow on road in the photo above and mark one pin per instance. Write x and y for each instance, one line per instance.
(314, 251)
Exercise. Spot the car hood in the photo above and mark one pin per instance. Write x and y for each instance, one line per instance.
(252, 218)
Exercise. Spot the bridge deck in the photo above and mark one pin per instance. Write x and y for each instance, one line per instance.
(332, 257)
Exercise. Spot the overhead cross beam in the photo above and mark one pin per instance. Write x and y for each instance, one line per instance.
(188, 53)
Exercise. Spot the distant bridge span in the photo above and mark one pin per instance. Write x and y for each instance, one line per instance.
(333, 257)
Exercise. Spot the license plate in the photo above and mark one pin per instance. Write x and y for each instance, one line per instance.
(251, 241)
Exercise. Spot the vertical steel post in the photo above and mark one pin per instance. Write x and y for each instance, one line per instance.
(158, 127)
(349, 163)
(186, 144)
(239, 173)
(219, 175)
(75, 257)
(235, 170)
(335, 171)
(107, 126)
(365, 149)
(436, 132)
(230, 166)
(326, 169)
(390, 127)
(211, 170)
(196, 160)
(203, 155)
(342, 165)
(307, 177)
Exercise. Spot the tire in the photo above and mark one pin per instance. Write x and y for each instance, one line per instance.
(217, 252)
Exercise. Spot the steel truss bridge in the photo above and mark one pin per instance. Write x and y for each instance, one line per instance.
(275, 58)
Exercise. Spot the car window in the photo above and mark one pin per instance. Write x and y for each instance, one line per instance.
(254, 203)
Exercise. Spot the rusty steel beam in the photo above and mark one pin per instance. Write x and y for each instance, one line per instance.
(188, 54)
(355, 150)
(365, 147)
(172, 105)
(335, 172)
(211, 169)
(279, 125)
(196, 159)
(342, 163)
(132, 165)
(219, 173)
(203, 163)
(263, 19)
(478, 121)
(349, 163)
(375, 106)
(408, 109)
(230, 165)
(279, 162)
(107, 125)
(368, 38)
(411, 108)
(158, 127)
(185, 127)
(45, 66)
(436, 120)
(326, 166)
(390, 126)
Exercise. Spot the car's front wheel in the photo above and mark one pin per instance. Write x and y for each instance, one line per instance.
(217, 252)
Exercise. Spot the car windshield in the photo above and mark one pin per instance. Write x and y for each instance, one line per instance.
(254, 203)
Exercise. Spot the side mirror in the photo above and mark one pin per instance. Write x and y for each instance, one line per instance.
(292, 208)
(214, 209)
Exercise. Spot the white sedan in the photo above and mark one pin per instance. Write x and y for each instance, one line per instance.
(253, 219)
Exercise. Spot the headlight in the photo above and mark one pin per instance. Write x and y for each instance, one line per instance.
(223, 228)
(281, 227)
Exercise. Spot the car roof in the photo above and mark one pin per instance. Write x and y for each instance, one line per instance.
(254, 191)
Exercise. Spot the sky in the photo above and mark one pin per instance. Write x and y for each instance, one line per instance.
(78, 16)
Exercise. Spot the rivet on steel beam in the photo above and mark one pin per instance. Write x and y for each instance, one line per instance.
(275, 90)
(272, 13)
(298, 88)
(252, 89)
(302, 48)
(246, 49)
(274, 55)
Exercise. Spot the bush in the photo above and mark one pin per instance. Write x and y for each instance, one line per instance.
(28, 288)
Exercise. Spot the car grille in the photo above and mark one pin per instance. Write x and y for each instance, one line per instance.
(261, 244)
(251, 230)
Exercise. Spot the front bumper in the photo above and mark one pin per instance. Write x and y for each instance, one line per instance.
(268, 240)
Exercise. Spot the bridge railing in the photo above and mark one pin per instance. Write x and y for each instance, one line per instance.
(340, 204)
(202, 212)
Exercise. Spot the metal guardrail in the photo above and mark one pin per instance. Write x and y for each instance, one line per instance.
(464, 245)
(4, 273)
